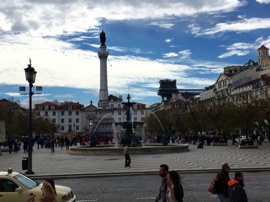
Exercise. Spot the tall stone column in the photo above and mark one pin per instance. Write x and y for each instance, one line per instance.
(103, 55)
(104, 126)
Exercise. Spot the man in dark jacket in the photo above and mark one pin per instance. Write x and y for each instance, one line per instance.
(236, 190)
(163, 170)
(222, 184)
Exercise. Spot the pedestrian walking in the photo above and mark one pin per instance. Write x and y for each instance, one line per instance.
(175, 192)
(127, 156)
(236, 190)
(163, 171)
(222, 183)
(67, 142)
(52, 144)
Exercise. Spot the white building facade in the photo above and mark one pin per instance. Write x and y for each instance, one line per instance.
(238, 82)
(67, 116)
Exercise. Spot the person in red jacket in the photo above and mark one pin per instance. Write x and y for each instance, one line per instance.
(236, 190)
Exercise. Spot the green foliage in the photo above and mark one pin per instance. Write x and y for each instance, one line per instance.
(17, 120)
(215, 115)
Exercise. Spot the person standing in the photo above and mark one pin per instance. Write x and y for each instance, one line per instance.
(52, 142)
(163, 171)
(223, 179)
(236, 190)
(175, 192)
(127, 157)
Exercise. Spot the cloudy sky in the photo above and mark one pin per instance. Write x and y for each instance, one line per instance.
(148, 40)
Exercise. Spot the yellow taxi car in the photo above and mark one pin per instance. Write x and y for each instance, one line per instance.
(16, 187)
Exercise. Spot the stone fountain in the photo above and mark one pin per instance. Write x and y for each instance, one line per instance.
(128, 138)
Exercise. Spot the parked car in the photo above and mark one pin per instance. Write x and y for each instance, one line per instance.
(16, 187)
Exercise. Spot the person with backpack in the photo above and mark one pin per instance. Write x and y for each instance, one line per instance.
(222, 183)
(236, 190)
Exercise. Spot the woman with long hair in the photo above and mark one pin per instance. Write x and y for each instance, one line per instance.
(48, 193)
(175, 192)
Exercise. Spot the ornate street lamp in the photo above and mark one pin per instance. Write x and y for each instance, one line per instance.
(30, 75)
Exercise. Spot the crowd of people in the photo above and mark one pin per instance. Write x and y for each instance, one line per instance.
(16, 144)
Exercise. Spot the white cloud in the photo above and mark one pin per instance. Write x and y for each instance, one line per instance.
(25, 25)
(163, 25)
(184, 54)
(263, 1)
(235, 26)
(234, 52)
(168, 40)
(261, 41)
(241, 49)
(195, 29)
(64, 96)
(51, 18)
(169, 55)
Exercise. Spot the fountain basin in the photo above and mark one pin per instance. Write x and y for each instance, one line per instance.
(145, 149)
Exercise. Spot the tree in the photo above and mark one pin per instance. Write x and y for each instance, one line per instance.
(246, 115)
(12, 112)
(43, 126)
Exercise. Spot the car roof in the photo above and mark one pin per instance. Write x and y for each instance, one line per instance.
(5, 173)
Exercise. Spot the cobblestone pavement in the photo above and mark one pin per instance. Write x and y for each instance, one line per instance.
(209, 158)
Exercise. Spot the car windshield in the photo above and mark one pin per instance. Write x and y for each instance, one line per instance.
(26, 182)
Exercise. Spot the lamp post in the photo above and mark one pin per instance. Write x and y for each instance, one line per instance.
(30, 75)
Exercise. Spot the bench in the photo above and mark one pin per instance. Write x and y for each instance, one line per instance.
(218, 144)
(247, 146)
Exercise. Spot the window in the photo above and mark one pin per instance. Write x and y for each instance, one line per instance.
(54, 113)
(69, 127)
(77, 120)
(70, 120)
(54, 120)
(112, 106)
(119, 119)
(46, 106)
(7, 185)
(25, 181)
(53, 107)
(119, 111)
(62, 128)
(46, 113)
(69, 107)
(62, 120)
(70, 113)
(62, 113)
(77, 113)
(135, 118)
(119, 106)
(135, 111)
(39, 107)
(77, 128)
